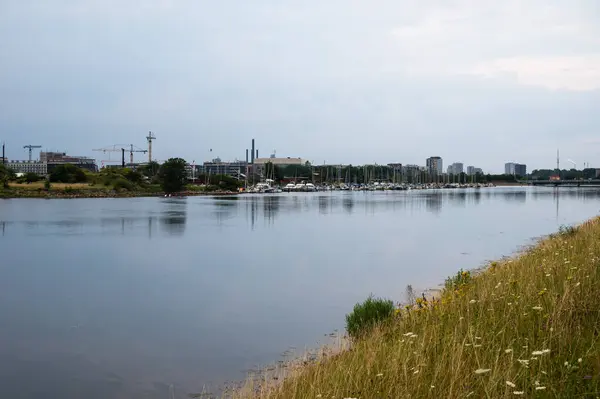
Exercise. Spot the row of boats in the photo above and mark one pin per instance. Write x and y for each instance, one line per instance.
(269, 187)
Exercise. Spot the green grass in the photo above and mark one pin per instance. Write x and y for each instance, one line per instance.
(527, 326)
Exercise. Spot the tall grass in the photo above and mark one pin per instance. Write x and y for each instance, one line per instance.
(527, 326)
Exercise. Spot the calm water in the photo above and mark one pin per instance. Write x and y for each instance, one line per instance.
(122, 298)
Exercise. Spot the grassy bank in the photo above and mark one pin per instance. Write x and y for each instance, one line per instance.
(526, 326)
(88, 190)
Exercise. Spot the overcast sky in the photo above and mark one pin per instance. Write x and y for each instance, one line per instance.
(476, 81)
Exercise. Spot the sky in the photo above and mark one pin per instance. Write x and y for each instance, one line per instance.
(337, 81)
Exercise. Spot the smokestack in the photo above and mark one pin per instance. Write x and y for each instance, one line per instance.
(3, 155)
(256, 154)
(252, 153)
(246, 155)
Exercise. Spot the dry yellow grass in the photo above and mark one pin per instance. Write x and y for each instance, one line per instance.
(528, 326)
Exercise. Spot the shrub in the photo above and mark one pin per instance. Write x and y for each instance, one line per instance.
(459, 280)
(366, 315)
(122, 183)
(566, 230)
(47, 185)
(32, 177)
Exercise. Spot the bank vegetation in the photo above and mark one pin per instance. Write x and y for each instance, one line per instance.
(528, 326)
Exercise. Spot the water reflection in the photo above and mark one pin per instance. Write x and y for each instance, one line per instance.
(173, 216)
(171, 219)
(142, 317)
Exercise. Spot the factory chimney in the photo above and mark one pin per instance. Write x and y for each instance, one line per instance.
(252, 153)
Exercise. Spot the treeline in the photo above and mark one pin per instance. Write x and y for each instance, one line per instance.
(565, 174)
(170, 177)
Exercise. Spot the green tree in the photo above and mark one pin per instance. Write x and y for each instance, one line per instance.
(31, 177)
(173, 175)
(6, 174)
(68, 173)
(151, 169)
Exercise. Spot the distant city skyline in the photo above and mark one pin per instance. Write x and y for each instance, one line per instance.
(323, 81)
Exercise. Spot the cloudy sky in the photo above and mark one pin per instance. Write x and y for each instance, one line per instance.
(477, 81)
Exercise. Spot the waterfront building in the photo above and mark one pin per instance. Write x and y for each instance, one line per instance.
(515, 169)
(456, 168)
(434, 166)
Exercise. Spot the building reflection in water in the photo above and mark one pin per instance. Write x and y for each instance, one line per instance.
(173, 215)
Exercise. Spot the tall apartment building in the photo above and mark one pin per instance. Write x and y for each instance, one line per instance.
(515, 169)
(472, 170)
(434, 166)
(456, 168)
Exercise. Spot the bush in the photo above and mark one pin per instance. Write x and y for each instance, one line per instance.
(32, 177)
(459, 280)
(367, 314)
(122, 183)
(68, 173)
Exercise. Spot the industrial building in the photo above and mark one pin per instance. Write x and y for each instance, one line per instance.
(50, 160)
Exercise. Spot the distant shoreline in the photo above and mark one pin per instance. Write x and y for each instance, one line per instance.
(74, 194)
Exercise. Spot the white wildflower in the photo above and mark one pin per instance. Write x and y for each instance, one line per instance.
(472, 301)
(482, 371)
(510, 384)
(408, 334)
(540, 388)
(468, 344)
(416, 372)
(540, 353)
(507, 350)
(546, 351)
(567, 364)
(580, 360)
(548, 275)
(477, 337)
(524, 362)
(537, 308)
(433, 386)
(379, 375)
(578, 284)
(518, 392)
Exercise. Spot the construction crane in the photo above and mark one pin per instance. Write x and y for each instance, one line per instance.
(114, 148)
(150, 137)
(131, 151)
(121, 148)
(574, 164)
(31, 147)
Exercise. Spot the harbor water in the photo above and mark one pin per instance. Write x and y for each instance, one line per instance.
(162, 297)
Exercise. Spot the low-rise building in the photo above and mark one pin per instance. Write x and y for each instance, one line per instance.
(218, 167)
(280, 161)
(37, 167)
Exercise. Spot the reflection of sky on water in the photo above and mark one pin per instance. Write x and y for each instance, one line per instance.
(121, 298)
